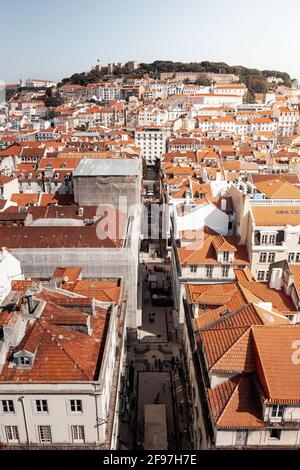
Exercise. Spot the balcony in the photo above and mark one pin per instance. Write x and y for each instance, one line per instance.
(278, 246)
(268, 241)
(268, 245)
(281, 423)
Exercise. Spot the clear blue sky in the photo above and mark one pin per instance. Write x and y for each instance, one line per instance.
(53, 39)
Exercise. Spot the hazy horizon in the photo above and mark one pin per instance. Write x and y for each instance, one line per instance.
(56, 40)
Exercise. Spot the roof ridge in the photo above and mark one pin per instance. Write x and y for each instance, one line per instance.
(248, 331)
(231, 314)
(245, 328)
(229, 399)
(256, 353)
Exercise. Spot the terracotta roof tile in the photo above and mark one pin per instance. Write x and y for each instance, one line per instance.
(266, 216)
(278, 363)
(235, 404)
(61, 352)
(217, 341)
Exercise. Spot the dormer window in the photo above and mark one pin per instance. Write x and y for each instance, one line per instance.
(24, 361)
(226, 256)
(277, 412)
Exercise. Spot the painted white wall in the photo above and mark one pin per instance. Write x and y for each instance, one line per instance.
(95, 397)
(206, 214)
(10, 188)
(10, 269)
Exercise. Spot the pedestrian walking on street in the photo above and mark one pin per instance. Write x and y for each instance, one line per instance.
(164, 387)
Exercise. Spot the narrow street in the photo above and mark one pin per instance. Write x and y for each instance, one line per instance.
(155, 360)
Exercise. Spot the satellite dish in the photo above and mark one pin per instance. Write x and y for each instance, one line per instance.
(66, 279)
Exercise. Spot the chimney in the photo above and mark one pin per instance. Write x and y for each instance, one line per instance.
(80, 211)
(276, 278)
(223, 204)
(93, 306)
(187, 197)
(29, 298)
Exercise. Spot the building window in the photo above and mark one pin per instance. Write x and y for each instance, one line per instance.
(262, 257)
(193, 269)
(209, 271)
(45, 434)
(275, 434)
(77, 433)
(271, 257)
(225, 271)
(297, 258)
(261, 275)
(264, 239)
(76, 406)
(12, 434)
(272, 239)
(226, 256)
(277, 411)
(291, 257)
(8, 406)
(24, 361)
(41, 406)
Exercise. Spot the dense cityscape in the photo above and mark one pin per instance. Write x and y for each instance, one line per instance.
(150, 259)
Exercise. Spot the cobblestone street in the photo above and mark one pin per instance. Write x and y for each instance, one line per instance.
(155, 357)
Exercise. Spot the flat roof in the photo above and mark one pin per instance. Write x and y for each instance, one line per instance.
(107, 167)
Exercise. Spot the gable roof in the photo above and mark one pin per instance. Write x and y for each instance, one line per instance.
(235, 404)
(204, 250)
(277, 356)
(277, 188)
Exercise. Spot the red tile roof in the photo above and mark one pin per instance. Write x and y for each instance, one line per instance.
(277, 356)
(62, 354)
(235, 404)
